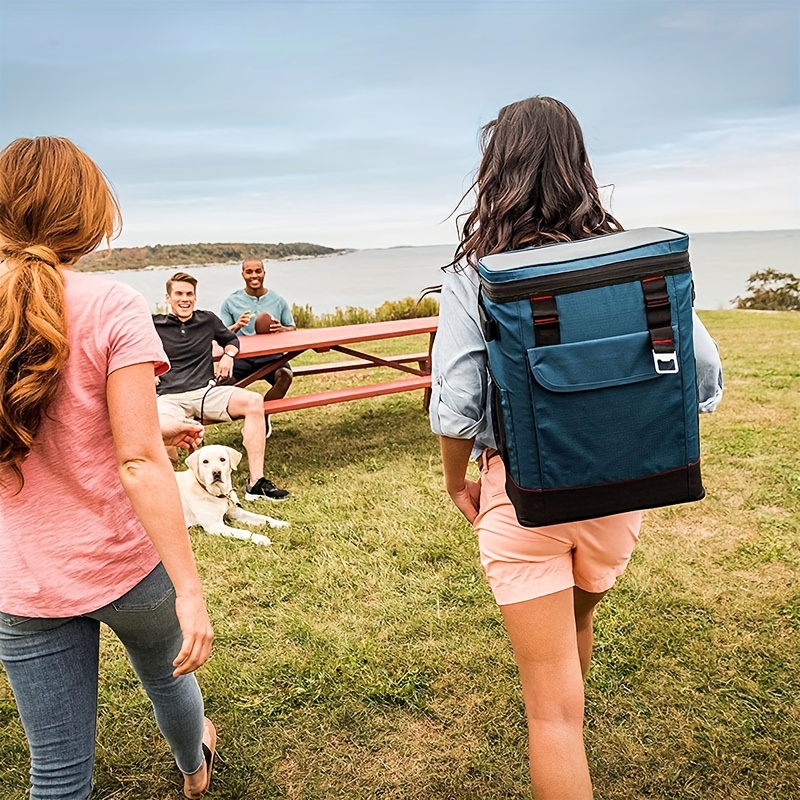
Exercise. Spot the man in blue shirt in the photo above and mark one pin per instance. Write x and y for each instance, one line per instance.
(239, 312)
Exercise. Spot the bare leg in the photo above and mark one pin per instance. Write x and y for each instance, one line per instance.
(585, 603)
(283, 380)
(250, 407)
(542, 633)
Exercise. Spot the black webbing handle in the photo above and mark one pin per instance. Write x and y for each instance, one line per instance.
(546, 328)
(659, 314)
(659, 323)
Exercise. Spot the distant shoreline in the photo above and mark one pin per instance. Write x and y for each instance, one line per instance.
(721, 265)
(231, 263)
(199, 255)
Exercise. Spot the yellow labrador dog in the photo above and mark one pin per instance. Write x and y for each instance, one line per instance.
(208, 496)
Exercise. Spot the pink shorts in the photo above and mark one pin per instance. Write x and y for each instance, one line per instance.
(524, 563)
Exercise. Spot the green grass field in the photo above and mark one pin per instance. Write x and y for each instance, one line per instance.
(362, 656)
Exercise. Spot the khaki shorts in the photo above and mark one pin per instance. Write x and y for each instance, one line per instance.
(213, 402)
(525, 563)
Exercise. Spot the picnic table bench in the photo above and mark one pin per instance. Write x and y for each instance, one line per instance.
(416, 367)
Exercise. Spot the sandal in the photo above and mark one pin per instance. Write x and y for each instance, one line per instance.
(209, 752)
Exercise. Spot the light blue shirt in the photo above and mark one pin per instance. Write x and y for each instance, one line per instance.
(234, 305)
(460, 398)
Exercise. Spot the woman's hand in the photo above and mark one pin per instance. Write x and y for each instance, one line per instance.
(177, 432)
(197, 634)
(467, 499)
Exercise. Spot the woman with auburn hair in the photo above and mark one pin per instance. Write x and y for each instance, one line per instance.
(91, 526)
(534, 186)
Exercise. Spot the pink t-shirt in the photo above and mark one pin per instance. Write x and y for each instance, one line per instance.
(70, 541)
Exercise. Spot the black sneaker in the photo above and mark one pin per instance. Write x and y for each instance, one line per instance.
(264, 489)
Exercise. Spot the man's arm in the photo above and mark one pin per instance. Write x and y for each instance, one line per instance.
(241, 322)
(159, 325)
(226, 314)
(287, 320)
(231, 321)
(229, 342)
(222, 335)
(277, 327)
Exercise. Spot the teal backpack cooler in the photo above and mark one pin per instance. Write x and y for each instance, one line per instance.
(593, 374)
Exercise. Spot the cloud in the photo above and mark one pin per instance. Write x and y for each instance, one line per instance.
(355, 123)
(733, 174)
(713, 17)
(737, 174)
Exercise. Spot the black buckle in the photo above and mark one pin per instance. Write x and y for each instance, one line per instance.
(546, 327)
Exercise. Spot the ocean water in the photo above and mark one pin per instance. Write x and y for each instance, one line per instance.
(721, 263)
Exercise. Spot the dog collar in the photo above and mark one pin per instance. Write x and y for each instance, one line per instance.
(225, 496)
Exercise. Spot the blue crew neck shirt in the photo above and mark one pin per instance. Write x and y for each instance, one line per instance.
(234, 305)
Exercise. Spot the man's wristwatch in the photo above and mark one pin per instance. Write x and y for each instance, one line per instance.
(231, 355)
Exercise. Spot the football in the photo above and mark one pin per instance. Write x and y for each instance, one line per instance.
(263, 321)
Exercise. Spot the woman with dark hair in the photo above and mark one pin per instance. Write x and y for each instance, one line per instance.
(534, 186)
(91, 525)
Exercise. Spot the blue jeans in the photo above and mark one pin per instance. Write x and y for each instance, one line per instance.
(52, 665)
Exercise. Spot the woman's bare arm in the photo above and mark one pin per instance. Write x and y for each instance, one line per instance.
(148, 480)
(466, 494)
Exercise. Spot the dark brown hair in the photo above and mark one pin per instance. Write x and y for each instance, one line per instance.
(55, 206)
(534, 184)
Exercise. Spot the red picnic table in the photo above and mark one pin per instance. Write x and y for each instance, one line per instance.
(415, 366)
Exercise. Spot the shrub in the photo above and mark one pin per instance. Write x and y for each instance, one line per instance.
(771, 290)
(407, 308)
(303, 316)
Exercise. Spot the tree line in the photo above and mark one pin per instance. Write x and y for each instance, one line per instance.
(173, 255)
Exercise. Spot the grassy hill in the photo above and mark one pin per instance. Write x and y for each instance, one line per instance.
(169, 255)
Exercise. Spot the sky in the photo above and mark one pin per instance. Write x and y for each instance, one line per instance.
(355, 123)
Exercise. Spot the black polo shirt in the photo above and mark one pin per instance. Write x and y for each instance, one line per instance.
(188, 347)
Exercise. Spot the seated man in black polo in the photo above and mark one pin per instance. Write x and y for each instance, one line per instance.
(190, 388)
(239, 312)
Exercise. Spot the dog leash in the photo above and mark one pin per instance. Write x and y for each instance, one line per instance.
(211, 384)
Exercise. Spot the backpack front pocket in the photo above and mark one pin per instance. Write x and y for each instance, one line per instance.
(603, 414)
